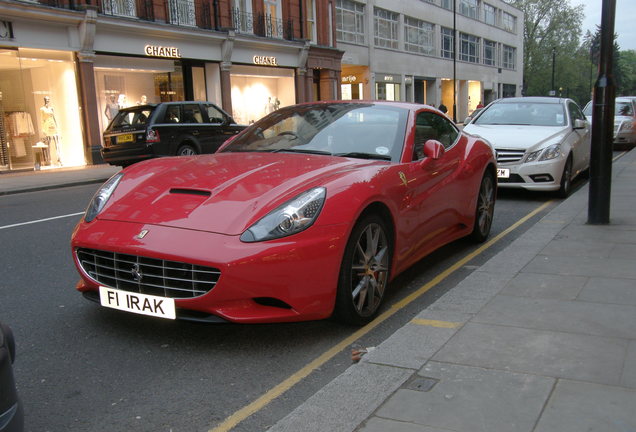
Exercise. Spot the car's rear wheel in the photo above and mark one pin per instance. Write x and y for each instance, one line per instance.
(187, 150)
(364, 273)
(566, 179)
(485, 209)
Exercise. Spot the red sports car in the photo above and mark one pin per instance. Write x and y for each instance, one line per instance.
(306, 214)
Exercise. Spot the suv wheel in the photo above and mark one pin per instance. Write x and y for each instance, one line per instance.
(186, 150)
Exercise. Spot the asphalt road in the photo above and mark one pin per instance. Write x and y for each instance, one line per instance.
(85, 368)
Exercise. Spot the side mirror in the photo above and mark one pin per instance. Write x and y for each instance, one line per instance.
(467, 120)
(580, 124)
(432, 150)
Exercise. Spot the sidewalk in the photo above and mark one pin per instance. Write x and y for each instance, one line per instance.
(541, 338)
(31, 181)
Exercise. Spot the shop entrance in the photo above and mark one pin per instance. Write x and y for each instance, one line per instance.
(39, 110)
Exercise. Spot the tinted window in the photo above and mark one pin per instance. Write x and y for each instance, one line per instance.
(575, 112)
(192, 114)
(214, 115)
(624, 109)
(428, 126)
(132, 118)
(173, 114)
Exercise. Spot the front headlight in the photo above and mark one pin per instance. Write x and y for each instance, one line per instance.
(101, 197)
(292, 217)
(552, 152)
(627, 126)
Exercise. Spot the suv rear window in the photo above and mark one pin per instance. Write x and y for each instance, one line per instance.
(131, 118)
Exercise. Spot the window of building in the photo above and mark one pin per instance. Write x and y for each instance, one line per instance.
(509, 57)
(490, 14)
(119, 7)
(447, 4)
(385, 28)
(509, 90)
(181, 12)
(242, 17)
(490, 52)
(448, 43)
(469, 48)
(509, 22)
(469, 8)
(350, 21)
(310, 11)
(419, 36)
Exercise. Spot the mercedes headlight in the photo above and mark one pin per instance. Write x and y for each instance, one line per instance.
(552, 152)
(101, 197)
(290, 218)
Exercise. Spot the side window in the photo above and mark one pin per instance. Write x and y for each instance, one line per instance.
(575, 112)
(428, 126)
(192, 114)
(214, 114)
(173, 114)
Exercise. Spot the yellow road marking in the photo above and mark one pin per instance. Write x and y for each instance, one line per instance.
(435, 323)
(294, 379)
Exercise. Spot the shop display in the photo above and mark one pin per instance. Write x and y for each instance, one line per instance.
(50, 132)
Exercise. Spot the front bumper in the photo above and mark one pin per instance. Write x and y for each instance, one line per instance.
(535, 176)
(289, 279)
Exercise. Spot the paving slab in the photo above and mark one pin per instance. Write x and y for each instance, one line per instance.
(599, 319)
(582, 266)
(609, 290)
(580, 406)
(557, 354)
(470, 399)
(376, 424)
(538, 285)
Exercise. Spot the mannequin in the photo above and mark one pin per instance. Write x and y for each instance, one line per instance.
(143, 100)
(50, 130)
(112, 108)
(121, 101)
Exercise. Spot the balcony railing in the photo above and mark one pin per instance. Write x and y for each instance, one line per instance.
(126, 8)
(243, 22)
(261, 25)
(181, 12)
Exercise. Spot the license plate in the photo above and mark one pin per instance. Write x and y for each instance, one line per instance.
(144, 304)
(125, 138)
(503, 173)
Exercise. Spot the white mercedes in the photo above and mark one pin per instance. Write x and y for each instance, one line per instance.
(542, 143)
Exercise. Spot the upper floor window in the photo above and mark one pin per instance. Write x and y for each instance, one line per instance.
(469, 8)
(386, 28)
(350, 21)
(490, 52)
(448, 43)
(119, 7)
(419, 36)
(509, 22)
(273, 18)
(181, 12)
(310, 10)
(490, 14)
(447, 4)
(509, 57)
(469, 48)
(242, 17)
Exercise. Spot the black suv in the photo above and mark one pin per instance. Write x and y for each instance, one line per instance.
(166, 129)
(11, 413)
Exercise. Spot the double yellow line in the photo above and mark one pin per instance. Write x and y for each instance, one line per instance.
(294, 379)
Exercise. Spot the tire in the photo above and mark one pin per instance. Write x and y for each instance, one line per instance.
(485, 209)
(566, 179)
(364, 273)
(187, 150)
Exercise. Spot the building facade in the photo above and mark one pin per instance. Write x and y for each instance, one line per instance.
(460, 53)
(67, 66)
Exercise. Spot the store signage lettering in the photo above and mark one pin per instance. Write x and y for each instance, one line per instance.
(349, 79)
(6, 30)
(265, 60)
(162, 51)
(388, 78)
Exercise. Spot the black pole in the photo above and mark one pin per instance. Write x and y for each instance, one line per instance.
(454, 61)
(553, 89)
(603, 123)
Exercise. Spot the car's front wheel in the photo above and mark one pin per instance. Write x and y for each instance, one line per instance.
(364, 273)
(187, 150)
(566, 179)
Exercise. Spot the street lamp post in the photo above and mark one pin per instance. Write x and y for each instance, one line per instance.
(454, 61)
(552, 88)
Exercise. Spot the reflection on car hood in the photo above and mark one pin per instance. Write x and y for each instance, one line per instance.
(222, 193)
(516, 136)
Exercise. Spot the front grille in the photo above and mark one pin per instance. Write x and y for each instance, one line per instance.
(145, 275)
(509, 155)
(514, 178)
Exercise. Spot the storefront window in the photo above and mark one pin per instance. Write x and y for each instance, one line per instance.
(128, 81)
(257, 91)
(39, 110)
(387, 91)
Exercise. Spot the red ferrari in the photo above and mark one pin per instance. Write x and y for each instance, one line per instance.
(307, 214)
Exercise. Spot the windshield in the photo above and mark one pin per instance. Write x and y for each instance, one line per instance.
(523, 113)
(623, 109)
(131, 118)
(343, 129)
